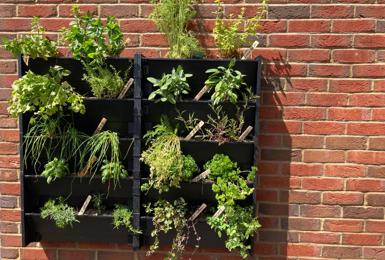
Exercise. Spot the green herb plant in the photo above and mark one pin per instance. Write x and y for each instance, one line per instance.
(90, 41)
(225, 82)
(98, 202)
(122, 216)
(169, 216)
(104, 81)
(58, 211)
(229, 187)
(45, 95)
(168, 166)
(171, 86)
(172, 18)
(234, 32)
(54, 169)
(33, 45)
(113, 171)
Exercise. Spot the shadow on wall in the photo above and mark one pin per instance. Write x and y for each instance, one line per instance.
(276, 156)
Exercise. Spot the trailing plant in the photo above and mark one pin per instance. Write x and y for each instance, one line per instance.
(171, 86)
(33, 45)
(168, 166)
(239, 225)
(225, 82)
(54, 169)
(172, 18)
(58, 211)
(98, 202)
(237, 31)
(113, 171)
(103, 151)
(123, 217)
(90, 41)
(229, 187)
(169, 216)
(45, 95)
(105, 82)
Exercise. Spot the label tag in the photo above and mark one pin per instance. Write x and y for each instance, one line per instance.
(126, 88)
(85, 205)
(194, 131)
(100, 125)
(219, 211)
(249, 51)
(245, 133)
(198, 212)
(90, 162)
(201, 176)
(201, 93)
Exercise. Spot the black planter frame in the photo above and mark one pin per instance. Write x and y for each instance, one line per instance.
(138, 116)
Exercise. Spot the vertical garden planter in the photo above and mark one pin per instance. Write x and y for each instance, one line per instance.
(132, 117)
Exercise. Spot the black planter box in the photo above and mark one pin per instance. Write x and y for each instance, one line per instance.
(131, 118)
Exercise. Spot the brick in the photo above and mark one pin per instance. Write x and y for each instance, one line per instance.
(367, 11)
(332, 11)
(283, 99)
(286, 70)
(302, 250)
(280, 155)
(9, 253)
(65, 10)
(13, 24)
(8, 227)
(9, 215)
(37, 254)
(154, 40)
(366, 157)
(138, 26)
(304, 197)
(362, 239)
(301, 169)
(78, 255)
(320, 211)
(269, 54)
(363, 212)
(349, 114)
(375, 199)
(349, 85)
(374, 253)
(309, 55)
(10, 240)
(37, 10)
(345, 170)
(343, 225)
(309, 26)
(322, 184)
(326, 70)
(358, 25)
(10, 188)
(327, 99)
(9, 135)
(274, 181)
(320, 238)
(342, 198)
(54, 24)
(303, 141)
(377, 143)
(375, 226)
(304, 113)
(283, 40)
(7, 66)
(267, 196)
(376, 171)
(7, 201)
(369, 41)
(366, 129)
(341, 252)
(7, 10)
(119, 11)
(324, 128)
(353, 56)
(331, 40)
(281, 127)
(378, 114)
(288, 12)
(273, 209)
(345, 143)
(8, 148)
(369, 70)
(271, 26)
(304, 84)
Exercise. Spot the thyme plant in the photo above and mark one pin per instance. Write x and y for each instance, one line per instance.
(58, 211)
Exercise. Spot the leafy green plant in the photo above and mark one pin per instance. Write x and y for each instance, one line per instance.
(172, 18)
(170, 86)
(237, 31)
(58, 211)
(225, 82)
(168, 166)
(54, 169)
(90, 41)
(239, 225)
(123, 217)
(113, 171)
(169, 216)
(98, 202)
(44, 95)
(105, 82)
(33, 45)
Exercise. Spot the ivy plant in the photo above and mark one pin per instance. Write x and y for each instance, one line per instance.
(33, 45)
(168, 166)
(45, 95)
(122, 217)
(58, 211)
(232, 34)
(54, 169)
(225, 82)
(91, 41)
(171, 86)
(172, 18)
(169, 216)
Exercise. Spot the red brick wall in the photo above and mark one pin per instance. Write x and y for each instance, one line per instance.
(321, 174)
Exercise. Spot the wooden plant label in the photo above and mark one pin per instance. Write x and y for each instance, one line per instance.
(245, 133)
(26, 59)
(201, 93)
(126, 88)
(197, 212)
(85, 205)
(219, 211)
(194, 131)
(90, 162)
(249, 51)
(201, 176)
(100, 125)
